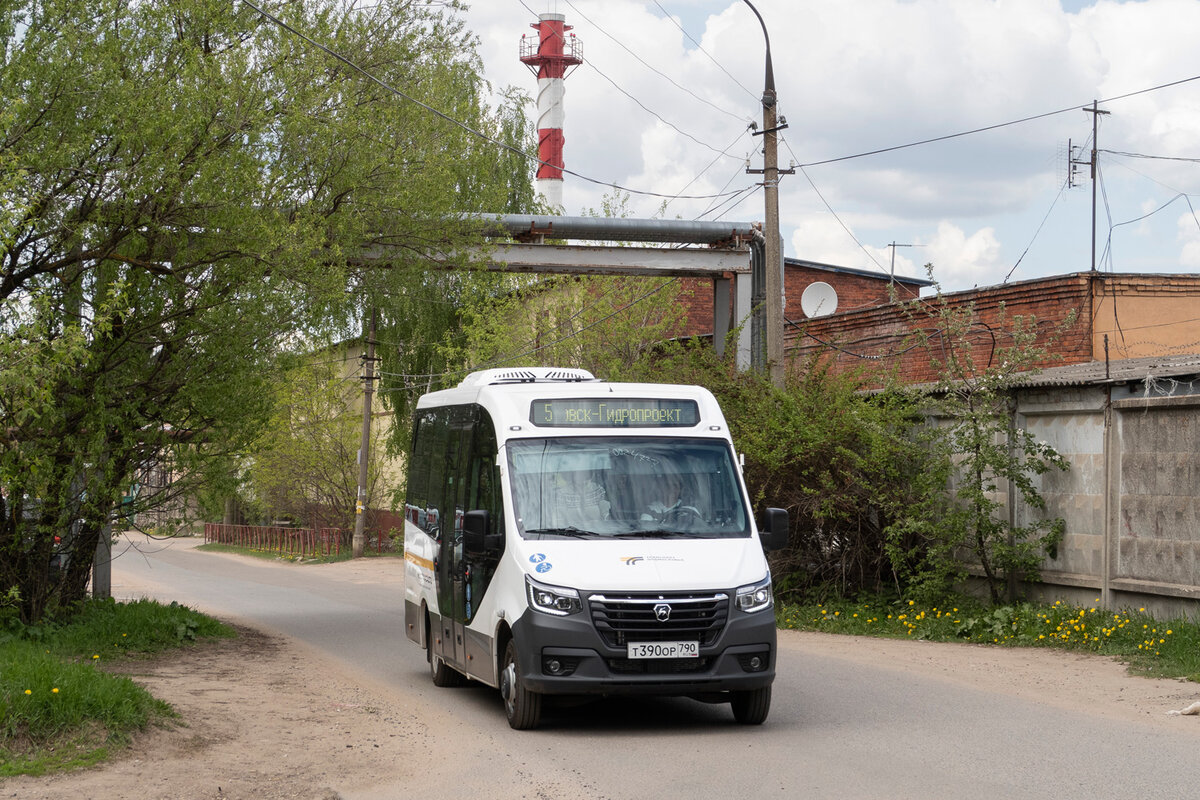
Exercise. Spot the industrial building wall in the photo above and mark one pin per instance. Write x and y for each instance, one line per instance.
(883, 337)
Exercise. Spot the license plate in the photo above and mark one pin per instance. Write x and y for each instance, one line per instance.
(664, 649)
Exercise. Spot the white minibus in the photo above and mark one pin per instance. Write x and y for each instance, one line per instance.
(568, 536)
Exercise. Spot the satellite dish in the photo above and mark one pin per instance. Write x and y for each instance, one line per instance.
(819, 300)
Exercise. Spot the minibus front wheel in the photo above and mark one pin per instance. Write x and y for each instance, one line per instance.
(751, 707)
(522, 707)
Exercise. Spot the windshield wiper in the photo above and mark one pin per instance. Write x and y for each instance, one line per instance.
(657, 533)
(571, 531)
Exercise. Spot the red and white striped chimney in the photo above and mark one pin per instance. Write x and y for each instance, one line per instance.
(556, 53)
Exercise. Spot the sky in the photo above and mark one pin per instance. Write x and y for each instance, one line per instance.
(663, 102)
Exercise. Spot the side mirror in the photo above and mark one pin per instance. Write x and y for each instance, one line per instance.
(774, 534)
(477, 541)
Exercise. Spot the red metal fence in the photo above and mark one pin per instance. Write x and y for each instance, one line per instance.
(289, 541)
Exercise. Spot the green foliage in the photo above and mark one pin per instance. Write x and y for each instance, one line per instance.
(304, 464)
(605, 324)
(186, 191)
(58, 708)
(846, 465)
(973, 404)
(1165, 649)
(58, 714)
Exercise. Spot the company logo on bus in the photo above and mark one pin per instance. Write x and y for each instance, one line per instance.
(630, 561)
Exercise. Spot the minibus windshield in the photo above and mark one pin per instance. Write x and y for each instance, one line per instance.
(626, 487)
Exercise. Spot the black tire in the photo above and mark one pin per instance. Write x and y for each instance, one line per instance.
(522, 707)
(751, 707)
(442, 673)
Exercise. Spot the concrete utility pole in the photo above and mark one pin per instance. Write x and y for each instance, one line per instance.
(773, 277)
(364, 450)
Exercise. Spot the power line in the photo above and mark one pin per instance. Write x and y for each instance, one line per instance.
(1158, 158)
(705, 52)
(1041, 225)
(713, 205)
(829, 208)
(591, 62)
(998, 125)
(731, 202)
(655, 114)
(442, 115)
(648, 66)
(711, 164)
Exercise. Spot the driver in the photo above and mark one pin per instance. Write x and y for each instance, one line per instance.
(670, 500)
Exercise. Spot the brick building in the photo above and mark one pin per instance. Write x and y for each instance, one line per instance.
(855, 289)
(1095, 317)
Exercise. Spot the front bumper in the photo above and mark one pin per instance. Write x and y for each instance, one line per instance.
(742, 657)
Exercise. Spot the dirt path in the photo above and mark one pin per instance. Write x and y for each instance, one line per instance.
(266, 718)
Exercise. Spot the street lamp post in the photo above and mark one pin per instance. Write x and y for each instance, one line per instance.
(773, 278)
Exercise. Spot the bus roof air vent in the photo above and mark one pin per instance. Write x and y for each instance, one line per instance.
(527, 375)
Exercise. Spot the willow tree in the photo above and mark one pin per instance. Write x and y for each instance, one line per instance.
(187, 189)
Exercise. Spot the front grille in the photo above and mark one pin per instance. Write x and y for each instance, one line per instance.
(674, 666)
(623, 618)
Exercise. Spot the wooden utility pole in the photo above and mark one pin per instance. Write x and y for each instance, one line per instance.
(364, 450)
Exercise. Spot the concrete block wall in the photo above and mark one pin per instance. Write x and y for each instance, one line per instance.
(1131, 500)
(1158, 532)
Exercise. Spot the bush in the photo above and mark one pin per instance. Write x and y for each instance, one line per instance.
(848, 466)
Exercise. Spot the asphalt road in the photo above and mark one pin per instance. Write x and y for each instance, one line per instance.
(838, 727)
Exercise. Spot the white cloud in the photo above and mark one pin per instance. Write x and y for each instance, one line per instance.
(867, 75)
(962, 260)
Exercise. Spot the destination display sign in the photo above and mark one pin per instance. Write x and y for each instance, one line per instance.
(612, 412)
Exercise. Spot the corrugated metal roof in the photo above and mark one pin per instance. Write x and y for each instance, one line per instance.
(1130, 369)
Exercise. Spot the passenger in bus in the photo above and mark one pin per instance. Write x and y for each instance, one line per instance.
(580, 500)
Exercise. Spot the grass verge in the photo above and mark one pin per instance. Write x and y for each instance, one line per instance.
(1149, 646)
(60, 706)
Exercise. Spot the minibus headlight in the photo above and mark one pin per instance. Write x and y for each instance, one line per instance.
(557, 600)
(756, 597)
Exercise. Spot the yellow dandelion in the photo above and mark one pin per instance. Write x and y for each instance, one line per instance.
(29, 691)
(54, 690)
